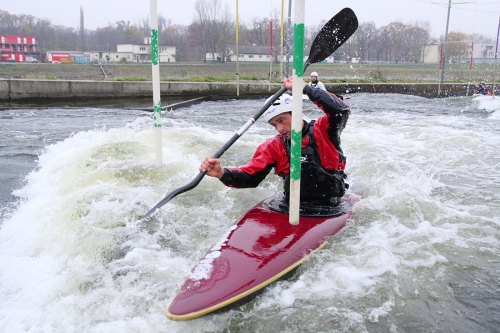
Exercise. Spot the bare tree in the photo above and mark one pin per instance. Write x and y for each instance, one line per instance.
(259, 31)
(144, 26)
(211, 28)
(479, 38)
(363, 40)
(418, 37)
(458, 46)
(174, 35)
(212, 31)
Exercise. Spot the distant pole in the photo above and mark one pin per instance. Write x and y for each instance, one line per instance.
(471, 60)
(296, 144)
(82, 31)
(440, 65)
(282, 35)
(155, 70)
(288, 37)
(444, 48)
(270, 51)
(496, 56)
(498, 32)
(237, 51)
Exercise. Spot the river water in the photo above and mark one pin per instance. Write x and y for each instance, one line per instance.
(421, 253)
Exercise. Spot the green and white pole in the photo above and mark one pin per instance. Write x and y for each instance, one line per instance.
(296, 137)
(155, 68)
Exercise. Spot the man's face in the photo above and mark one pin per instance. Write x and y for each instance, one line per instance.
(314, 79)
(283, 124)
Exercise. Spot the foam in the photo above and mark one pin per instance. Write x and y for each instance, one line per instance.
(74, 257)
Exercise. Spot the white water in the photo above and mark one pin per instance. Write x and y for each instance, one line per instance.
(490, 104)
(421, 253)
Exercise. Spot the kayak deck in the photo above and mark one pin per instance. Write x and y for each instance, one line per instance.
(259, 249)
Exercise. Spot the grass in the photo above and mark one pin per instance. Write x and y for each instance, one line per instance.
(130, 78)
(226, 72)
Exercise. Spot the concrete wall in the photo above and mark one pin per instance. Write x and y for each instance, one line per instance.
(18, 90)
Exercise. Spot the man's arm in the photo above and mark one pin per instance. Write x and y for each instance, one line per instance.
(333, 106)
(328, 102)
(235, 177)
(241, 179)
(250, 175)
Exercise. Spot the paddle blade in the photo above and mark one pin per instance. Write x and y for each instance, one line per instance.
(333, 35)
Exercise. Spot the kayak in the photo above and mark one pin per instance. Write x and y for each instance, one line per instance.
(487, 94)
(259, 249)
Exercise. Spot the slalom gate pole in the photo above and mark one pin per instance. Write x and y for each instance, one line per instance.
(155, 71)
(296, 136)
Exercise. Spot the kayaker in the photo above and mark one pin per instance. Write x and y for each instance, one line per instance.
(315, 83)
(322, 162)
(482, 89)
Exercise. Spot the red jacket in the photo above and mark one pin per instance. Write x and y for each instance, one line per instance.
(273, 154)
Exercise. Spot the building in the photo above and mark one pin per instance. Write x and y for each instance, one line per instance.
(431, 54)
(253, 53)
(124, 53)
(481, 53)
(67, 57)
(17, 48)
(102, 57)
(142, 53)
(138, 53)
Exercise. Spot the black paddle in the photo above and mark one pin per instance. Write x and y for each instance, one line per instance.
(331, 37)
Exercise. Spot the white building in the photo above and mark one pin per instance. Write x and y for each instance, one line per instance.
(431, 54)
(481, 53)
(142, 53)
(246, 53)
(111, 57)
(252, 53)
(134, 53)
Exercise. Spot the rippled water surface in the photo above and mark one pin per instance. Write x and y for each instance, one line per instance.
(421, 253)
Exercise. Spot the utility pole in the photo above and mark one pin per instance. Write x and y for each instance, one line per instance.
(496, 56)
(498, 33)
(82, 31)
(444, 48)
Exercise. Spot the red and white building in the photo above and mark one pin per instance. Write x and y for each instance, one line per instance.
(61, 56)
(16, 48)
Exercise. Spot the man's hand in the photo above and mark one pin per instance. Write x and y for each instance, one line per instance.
(288, 83)
(212, 167)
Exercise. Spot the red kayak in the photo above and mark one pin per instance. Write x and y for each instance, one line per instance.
(259, 249)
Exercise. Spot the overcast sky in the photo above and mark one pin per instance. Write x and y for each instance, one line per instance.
(469, 16)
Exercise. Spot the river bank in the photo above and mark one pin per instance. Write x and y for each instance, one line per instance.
(55, 83)
(26, 91)
(251, 71)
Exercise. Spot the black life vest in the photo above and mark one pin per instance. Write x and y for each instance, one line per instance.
(316, 184)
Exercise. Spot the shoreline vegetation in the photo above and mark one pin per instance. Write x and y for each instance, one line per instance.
(43, 84)
(226, 72)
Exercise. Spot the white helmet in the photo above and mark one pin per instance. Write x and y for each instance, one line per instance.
(281, 105)
(314, 74)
